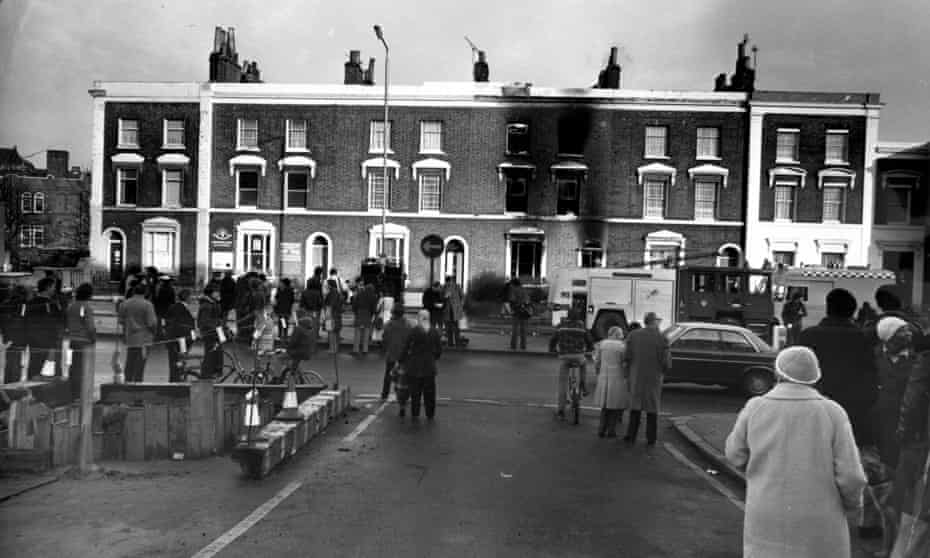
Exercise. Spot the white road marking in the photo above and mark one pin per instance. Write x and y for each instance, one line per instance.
(260, 512)
(367, 422)
(718, 486)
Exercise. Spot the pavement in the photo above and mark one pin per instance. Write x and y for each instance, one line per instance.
(707, 433)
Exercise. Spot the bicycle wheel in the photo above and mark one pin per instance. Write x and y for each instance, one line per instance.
(309, 377)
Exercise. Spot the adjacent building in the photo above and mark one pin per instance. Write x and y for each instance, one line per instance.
(45, 212)
(519, 180)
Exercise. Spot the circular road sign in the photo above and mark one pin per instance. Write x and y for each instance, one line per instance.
(432, 246)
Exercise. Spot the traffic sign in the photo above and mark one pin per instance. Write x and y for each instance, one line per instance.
(432, 245)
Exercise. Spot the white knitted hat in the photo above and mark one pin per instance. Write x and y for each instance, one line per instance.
(798, 364)
(888, 326)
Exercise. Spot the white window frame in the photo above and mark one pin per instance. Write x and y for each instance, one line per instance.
(239, 171)
(716, 193)
(26, 202)
(287, 186)
(663, 241)
(121, 128)
(166, 128)
(907, 211)
(649, 154)
(844, 160)
(28, 235)
(796, 134)
(589, 249)
(120, 193)
(376, 130)
(108, 242)
(386, 197)
(392, 231)
(792, 187)
(423, 135)
(715, 142)
(289, 126)
(240, 127)
(164, 187)
(513, 127)
(665, 187)
(161, 225)
(420, 185)
(530, 234)
(842, 187)
(308, 253)
(256, 227)
(913, 179)
(842, 256)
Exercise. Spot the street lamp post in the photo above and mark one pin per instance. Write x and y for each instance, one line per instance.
(384, 145)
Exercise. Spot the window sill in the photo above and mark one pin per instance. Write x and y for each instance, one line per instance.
(430, 211)
(380, 152)
(653, 218)
(297, 150)
(432, 152)
(126, 146)
(516, 213)
(125, 205)
(657, 157)
(836, 163)
(787, 161)
(238, 206)
(377, 210)
(831, 222)
(172, 206)
(783, 220)
(249, 149)
(709, 158)
(173, 147)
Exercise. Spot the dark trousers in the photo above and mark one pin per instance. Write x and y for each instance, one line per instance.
(212, 365)
(435, 319)
(652, 426)
(518, 331)
(76, 372)
(609, 420)
(12, 371)
(425, 387)
(452, 332)
(135, 363)
(386, 385)
(37, 358)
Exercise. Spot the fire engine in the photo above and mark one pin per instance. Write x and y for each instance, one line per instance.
(619, 296)
(813, 284)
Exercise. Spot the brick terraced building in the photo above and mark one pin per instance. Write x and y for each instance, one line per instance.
(518, 180)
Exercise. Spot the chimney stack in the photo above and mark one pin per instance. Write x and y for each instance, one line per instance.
(744, 76)
(56, 163)
(369, 77)
(231, 44)
(481, 70)
(353, 69)
(609, 77)
(224, 60)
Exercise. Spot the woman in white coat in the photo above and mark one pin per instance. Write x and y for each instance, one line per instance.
(803, 473)
(612, 394)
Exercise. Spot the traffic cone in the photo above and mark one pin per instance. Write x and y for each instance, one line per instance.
(289, 407)
(252, 415)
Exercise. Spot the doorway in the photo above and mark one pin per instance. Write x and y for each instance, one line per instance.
(902, 263)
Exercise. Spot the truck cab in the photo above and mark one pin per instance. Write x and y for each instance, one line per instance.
(732, 295)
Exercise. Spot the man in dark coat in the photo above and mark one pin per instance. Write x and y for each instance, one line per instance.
(227, 293)
(432, 302)
(647, 361)
(364, 304)
(179, 323)
(283, 306)
(847, 363)
(209, 318)
(520, 307)
(419, 361)
(45, 323)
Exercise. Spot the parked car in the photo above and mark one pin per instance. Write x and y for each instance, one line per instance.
(730, 355)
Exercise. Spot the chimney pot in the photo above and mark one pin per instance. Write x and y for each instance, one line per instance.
(481, 72)
(613, 56)
(370, 72)
(219, 39)
(355, 56)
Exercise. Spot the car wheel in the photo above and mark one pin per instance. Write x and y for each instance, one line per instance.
(758, 382)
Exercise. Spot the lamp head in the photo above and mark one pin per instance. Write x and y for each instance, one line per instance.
(378, 33)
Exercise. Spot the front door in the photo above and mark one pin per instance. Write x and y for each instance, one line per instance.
(116, 257)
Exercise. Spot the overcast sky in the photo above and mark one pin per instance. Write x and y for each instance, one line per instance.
(52, 50)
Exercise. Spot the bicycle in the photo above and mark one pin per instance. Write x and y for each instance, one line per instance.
(301, 376)
(574, 391)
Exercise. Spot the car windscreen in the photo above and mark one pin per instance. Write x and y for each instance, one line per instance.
(672, 331)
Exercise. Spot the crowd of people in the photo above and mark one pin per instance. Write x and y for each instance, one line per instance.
(851, 414)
